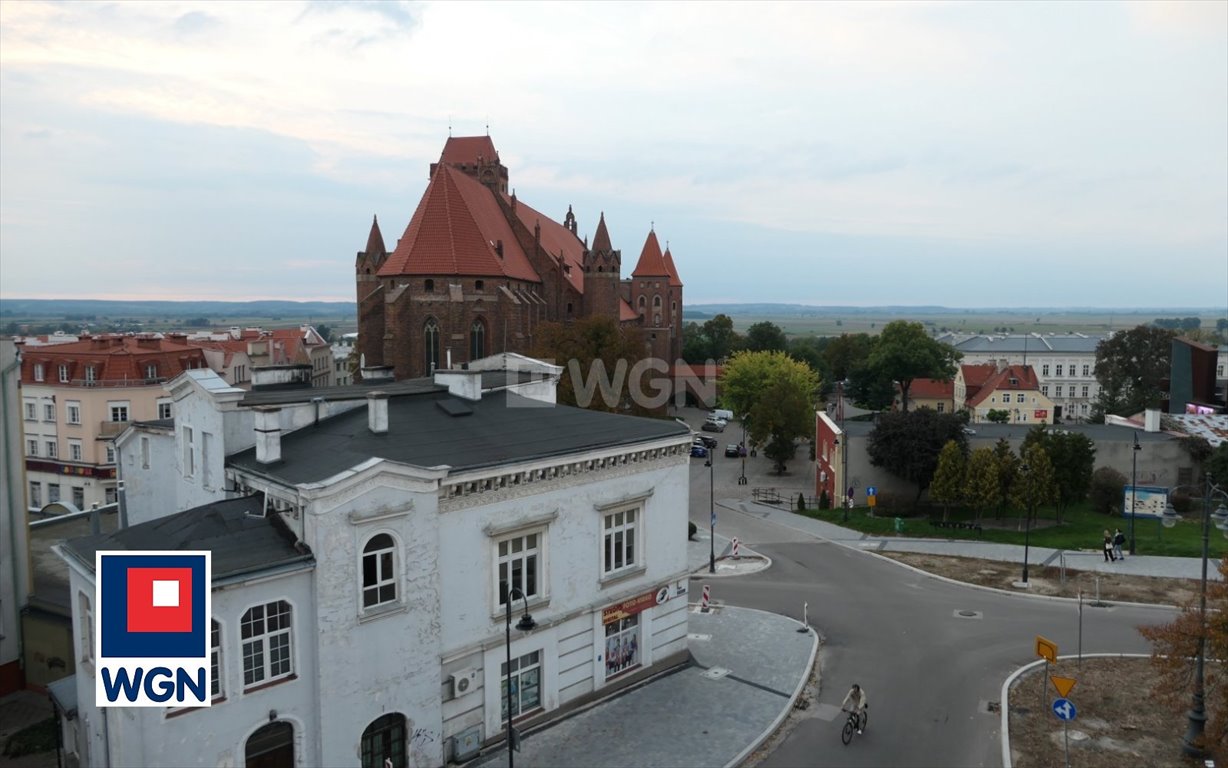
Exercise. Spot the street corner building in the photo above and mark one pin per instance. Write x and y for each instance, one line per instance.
(366, 543)
(477, 270)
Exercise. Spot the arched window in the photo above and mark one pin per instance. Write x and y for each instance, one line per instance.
(477, 340)
(379, 571)
(430, 340)
(479, 285)
(265, 631)
(656, 319)
(384, 739)
(643, 302)
(428, 285)
(656, 302)
(270, 747)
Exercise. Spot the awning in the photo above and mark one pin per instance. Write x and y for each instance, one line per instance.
(64, 694)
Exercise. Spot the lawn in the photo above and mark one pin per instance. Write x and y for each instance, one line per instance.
(1080, 529)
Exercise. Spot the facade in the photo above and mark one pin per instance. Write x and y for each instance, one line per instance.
(77, 397)
(1193, 386)
(1013, 389)
(934, 394)
(239, 354)
(354, 524)
(14, 531)
(477, 270)
(829, 459)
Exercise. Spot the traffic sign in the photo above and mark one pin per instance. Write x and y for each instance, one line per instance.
(1046, 649)
(871, 491)
(1064, 709)
(1062, 684)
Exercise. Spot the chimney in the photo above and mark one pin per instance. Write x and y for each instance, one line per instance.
(268, 434)
(1151, 420)
(377, 412)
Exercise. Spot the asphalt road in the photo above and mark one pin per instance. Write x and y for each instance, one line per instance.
(928, 671)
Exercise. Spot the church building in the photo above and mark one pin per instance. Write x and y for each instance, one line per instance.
(477, 270)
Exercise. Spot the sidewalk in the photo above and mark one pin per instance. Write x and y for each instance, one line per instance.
(1138, 565)
(749, 667)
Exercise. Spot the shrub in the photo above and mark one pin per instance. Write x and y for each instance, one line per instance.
(824, 502)
(1106, 492)
(691, 530)
(801, 502)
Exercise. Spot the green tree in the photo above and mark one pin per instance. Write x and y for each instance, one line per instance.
(1107, 493)
(780, 449)
(998, 416)
(695, 346)
(722, 338)
(905, 351)
(1008, 466)
(1073, 456)
(868, 389)
(747, 376)
(981, 488)
(766, 337)
(907, 444)
(948, 484)
(1216, 464)
(1131, 368)
(600, 353)
(1036, 485)
(846, 352)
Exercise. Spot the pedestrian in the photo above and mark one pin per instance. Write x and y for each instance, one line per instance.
(1108, 547)
(1119, 539)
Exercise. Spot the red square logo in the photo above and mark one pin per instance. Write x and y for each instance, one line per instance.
(159, 599)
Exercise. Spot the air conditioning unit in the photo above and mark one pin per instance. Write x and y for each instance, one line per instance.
(465, 682)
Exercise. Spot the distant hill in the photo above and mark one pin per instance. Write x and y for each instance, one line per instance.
(96, 307)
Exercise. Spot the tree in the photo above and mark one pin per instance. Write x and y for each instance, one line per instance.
(949, 477)
(1107, 492)
(695, 348)
(907, 444)
(1008, 466)
(981, 488)
(777, 393)
(846, 352)
(766, 337)
(998, 416)
(1216, 464)
(1036, 485)
(904, 351)
(597, 355)
(1175, 644)
(1073, 456)
(780, 450)
(1131, 367)
(824, 501)
(867, 389)
(722, 338)
(325, 331)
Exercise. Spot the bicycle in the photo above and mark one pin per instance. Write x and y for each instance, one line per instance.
(854, 724)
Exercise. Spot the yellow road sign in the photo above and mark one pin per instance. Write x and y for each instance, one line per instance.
(1063, 685)
(1046, 649)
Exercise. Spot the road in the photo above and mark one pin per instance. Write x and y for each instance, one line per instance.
(929, 671)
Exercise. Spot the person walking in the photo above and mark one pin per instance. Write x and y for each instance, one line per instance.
(1119, 539)
(1108, 547)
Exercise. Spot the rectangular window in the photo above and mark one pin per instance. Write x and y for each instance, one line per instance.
(63, 374)
(215, 661)
(525, 678)
(74, 450)
(110, 453)
(91, 375)
(1019, 397)
(189, 453)
(1086, 370)
(519, 565)
(48, 411)
(1085, 390)
(151, 371)
(941, 407)
(31, 411)
(1044, 389)
(379, 578)
(266, 642)
(73, 412)
(38, 371)
(622, 645)
(144, 452)
(1059, 369)
(619, 544)
(1057, 390)
(1044, 370)
(206, 478)
(164, 409)
(52, 449)
(53, 493)
(119, 411)
(36, 494)
(78, 497)
(87, 627)
(111, 495)
(31, 447)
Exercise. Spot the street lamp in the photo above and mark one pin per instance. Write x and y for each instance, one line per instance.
(742, 479)
(711, 515)
(525, 624)
(1133, 485)
(1192, 743)
(1027, 531)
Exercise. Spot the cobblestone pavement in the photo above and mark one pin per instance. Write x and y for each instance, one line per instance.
(748, 666)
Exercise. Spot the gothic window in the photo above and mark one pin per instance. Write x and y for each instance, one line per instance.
(477, 340)
(430, 341)
(384, 739)
(569, 307)
(643, 302)
(656, 302)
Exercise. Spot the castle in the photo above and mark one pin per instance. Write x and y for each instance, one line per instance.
(477, 270)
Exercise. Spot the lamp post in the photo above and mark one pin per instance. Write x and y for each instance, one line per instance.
(1133, 485)
(1192, 743)
(711, 515)
(1027, 530)
(525, 624)
(742, 479)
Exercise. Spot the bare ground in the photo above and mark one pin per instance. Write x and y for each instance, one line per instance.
(1113, 587)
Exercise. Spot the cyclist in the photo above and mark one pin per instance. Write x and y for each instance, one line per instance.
(857, 698)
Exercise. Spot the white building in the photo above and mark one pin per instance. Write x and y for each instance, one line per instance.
(14, 550)
(361, 568)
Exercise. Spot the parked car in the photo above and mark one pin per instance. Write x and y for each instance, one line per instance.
(699, 452)
(708, 442)
(732, 450)
(714, 426)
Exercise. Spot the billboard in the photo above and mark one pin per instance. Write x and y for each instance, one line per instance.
(1150, 501)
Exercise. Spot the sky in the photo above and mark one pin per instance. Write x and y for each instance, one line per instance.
(960, 154)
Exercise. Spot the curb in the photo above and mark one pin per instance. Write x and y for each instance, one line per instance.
(801, 685)
(1004, 698)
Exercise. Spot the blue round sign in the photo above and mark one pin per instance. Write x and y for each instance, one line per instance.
(1064, 709)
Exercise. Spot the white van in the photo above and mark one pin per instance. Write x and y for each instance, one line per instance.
(723, 415)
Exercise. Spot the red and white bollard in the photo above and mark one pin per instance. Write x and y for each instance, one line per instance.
(736, 545)
(703, 604)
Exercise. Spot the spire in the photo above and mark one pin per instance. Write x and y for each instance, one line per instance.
(674, 280)
(375, 240)
(651, 263)
(601, 239)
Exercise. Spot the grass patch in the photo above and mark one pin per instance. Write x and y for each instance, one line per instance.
(1080, 529)
(39, 737)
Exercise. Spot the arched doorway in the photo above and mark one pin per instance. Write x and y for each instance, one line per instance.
(270, 747)
(384, 739)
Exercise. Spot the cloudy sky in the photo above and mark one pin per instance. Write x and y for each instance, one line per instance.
(988, 154)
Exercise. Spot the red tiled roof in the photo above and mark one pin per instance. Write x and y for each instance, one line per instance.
(557, 241)
(651, 263)
(455, 230)
(626, 311)
(601, 239)
(931, 388)
(674, 280)
(977, 375)
(466, 150)
(1024, 379)
(114, 359)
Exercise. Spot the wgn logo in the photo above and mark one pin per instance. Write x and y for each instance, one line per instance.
(154, 611)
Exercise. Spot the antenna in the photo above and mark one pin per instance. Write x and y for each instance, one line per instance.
(449, 126)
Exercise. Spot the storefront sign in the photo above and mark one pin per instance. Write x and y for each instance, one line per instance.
(640, 603)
